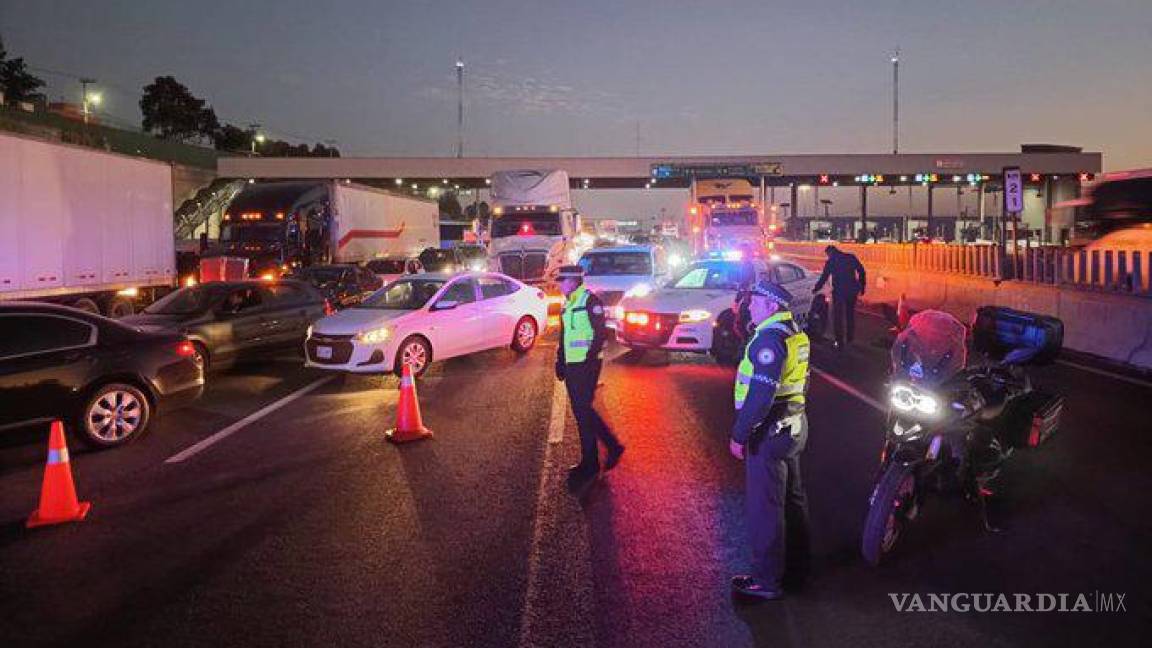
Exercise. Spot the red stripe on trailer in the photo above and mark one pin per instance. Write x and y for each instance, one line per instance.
(355, 234)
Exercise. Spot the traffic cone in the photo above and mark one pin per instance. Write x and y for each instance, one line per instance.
(409, 424)
(902, 315)
(58, 494)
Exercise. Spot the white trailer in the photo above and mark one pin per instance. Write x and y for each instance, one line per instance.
(369, 223)
(83, 227)
(534, 226)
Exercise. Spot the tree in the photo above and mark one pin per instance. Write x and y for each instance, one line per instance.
(232, 138)
(16, 82)
(171, 110)
(449, 205)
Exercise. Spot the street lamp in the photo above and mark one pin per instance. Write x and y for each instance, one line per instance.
(257, 136)
(88, 99)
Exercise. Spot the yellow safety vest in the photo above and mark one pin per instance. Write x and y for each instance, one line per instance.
(794, 378)
(578, 331)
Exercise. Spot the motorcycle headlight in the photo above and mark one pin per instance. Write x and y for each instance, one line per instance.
(639, 290)
(374, 336)
(909, 399)
(695, 315)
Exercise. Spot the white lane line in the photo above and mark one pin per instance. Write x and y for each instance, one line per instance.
(845, 387)
(1109, 374)
(206, 443)
(544, 489)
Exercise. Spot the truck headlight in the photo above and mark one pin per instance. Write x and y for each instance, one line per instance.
(695, 315)
(374, 336)
(909, 399)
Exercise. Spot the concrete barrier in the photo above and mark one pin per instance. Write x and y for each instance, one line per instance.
(1114, 326)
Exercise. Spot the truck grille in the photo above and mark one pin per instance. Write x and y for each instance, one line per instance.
(525, 267)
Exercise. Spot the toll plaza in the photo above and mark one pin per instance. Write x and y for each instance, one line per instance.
(892, 197)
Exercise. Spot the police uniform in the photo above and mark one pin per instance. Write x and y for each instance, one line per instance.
(582, 335)
(771, 383)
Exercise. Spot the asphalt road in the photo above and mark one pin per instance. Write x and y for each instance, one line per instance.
(305, 528)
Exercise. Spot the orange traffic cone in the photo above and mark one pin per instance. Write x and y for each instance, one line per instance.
(409, 424)
(902, 315)
(58, 494)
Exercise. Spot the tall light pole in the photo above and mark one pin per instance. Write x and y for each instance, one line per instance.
(896, 102)
(87, 99)
(257, 136)
(460, 108)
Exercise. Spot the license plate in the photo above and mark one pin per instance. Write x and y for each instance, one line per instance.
(324, 352)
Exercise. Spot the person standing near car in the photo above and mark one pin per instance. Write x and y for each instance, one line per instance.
(770, 432)
(582, 335)
(848, 282)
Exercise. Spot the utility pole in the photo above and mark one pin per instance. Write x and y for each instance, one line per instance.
(637, 138)
(460, 108)
(256, 136)
(896, 102)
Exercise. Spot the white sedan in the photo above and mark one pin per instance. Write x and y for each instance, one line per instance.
(686, 314)
(426, 317)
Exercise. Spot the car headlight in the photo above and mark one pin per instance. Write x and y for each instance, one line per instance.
(908, 399)
(374, 336)
(639, 290)
(675, 260)
(695, 315)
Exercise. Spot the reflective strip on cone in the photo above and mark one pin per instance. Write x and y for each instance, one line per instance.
(57, 456)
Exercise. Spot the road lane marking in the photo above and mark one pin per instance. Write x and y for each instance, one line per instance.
(845, 387)
(208, 442)
(556, 420)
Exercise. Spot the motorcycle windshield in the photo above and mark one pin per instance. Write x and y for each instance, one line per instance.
(931, 349)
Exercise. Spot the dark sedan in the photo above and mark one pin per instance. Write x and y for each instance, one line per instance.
(343, 285)
(440, 260)
(231, 320)
(104, 379)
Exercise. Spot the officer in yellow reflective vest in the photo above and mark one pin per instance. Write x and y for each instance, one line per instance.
(582, 333)
(769, 435)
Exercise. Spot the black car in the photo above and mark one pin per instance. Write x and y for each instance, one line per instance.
(230, 320)
(440, 260)
(343, 285)
(472, 257)
(105, 380)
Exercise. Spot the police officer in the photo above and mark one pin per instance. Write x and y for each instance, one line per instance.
(582, 334)
(769, 435)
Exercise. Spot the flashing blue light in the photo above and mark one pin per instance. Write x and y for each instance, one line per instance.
(919, 177)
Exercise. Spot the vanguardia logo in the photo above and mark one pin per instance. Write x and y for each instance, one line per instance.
(993, 602)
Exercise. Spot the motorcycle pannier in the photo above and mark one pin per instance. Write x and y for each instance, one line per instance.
(997, 330)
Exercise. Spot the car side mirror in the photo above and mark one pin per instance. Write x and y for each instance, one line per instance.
(445, 304)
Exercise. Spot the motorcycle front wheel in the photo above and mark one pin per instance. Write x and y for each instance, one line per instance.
(892, 506)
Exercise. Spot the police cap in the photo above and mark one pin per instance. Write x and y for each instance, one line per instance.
(772, 291)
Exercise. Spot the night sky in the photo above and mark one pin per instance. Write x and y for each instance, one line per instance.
(575, 78)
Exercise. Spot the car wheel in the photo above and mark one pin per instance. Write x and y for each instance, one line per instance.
(524, 337)
(113, 415)
(414, 351)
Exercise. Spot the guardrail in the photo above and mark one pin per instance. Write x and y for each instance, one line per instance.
(1122, 270)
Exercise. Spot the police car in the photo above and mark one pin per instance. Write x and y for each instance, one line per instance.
(613, 273)
(426, 317)
(694, 311)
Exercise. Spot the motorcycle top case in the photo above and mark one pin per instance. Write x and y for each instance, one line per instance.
(997, 330)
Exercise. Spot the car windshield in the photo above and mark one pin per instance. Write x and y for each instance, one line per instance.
(527, 224)
(184, 301)
(251, 232)
(616, 263)
(715, 275)
(931, 349)
(406, 294)
(386, 266)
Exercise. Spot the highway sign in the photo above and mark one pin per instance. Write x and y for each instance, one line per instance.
(1013, 191)
(661, 171)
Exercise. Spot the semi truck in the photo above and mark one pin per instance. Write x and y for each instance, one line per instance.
(84, 228)
(279, 226)
(725, 218)
(534, 227)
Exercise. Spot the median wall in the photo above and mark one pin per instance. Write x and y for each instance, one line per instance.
(1103, 322)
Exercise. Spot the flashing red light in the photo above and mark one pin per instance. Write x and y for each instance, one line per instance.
(824, 179)
(185, 349)
(328, 310)
(526, 229)
(1035, 177)
(1086, 177)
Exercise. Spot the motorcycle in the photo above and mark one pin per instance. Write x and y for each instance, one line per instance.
(951, 425)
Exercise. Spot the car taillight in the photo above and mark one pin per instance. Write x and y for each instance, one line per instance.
(638, 319)
(185, 349)
(328, 310)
